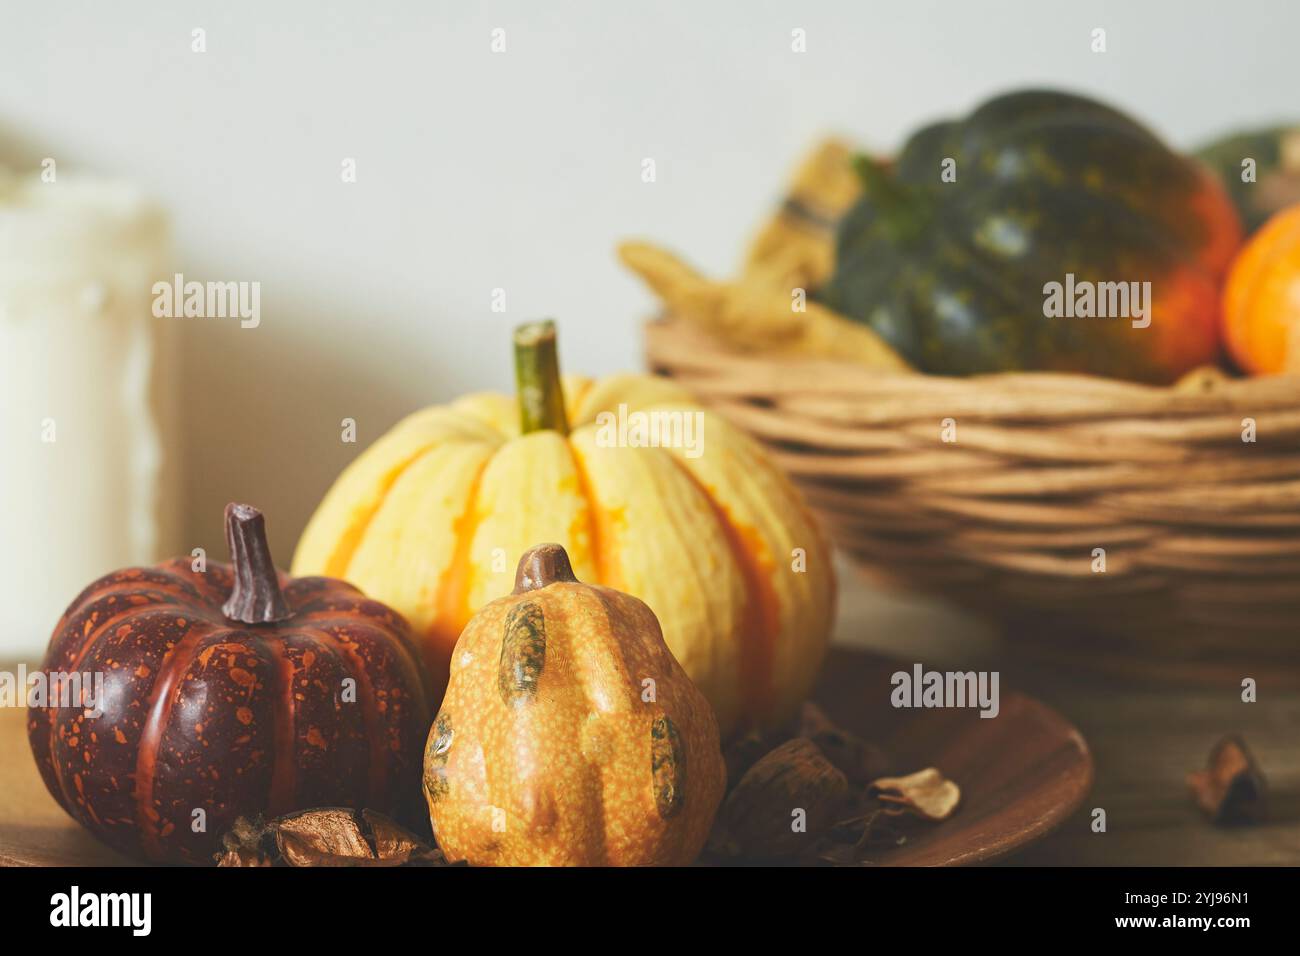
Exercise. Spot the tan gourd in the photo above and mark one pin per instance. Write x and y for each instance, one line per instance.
(569, 734)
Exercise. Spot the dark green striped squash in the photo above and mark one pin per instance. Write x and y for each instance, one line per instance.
(955, 270)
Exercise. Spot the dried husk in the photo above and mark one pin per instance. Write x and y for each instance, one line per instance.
(853, 811)
(860, 762)
(743, 752)
(760, 819)
(329, 836)
(1232, 788)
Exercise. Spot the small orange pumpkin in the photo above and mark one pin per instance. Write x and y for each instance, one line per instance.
(1261, 304)
(569, 734)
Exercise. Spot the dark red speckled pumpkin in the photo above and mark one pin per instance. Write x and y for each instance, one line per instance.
(229, 691)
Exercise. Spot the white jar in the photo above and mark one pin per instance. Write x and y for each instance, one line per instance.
(85, 396)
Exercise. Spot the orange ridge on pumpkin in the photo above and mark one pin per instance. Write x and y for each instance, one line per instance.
(411, 655)
(579, 534)
(375, 745)
(284, 772)
(182, 572)
(600, 522)
(107, 584)
(451, 600)
(75, 667)
(162, 696)
(759, 626)
(101, 629)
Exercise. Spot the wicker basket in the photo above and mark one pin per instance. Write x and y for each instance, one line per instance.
(1201, 530)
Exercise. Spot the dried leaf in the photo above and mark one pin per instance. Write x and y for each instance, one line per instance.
(926, 793)
(330, 836)
(392, 841)
(1231, 789)
(877, 827)
(243, 858)
(245, 844)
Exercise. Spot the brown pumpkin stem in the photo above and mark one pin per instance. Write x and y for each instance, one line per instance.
(537, 378)
(256, 596)
(545, 564)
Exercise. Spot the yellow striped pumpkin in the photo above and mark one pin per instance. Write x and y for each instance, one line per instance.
(433, 516)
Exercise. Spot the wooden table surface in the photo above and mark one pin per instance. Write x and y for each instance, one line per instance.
(1144, 739)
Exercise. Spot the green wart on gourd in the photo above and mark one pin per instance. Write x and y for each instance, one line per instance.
(436, 754)
(586, 775)
(523, 653)
(667, 766)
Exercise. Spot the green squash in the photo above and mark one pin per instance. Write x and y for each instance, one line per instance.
(1276, 183)
(955, 274)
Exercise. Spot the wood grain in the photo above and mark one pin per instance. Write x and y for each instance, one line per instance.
(1145, 741)
(1021, 773)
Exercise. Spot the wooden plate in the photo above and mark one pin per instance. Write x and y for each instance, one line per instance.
(1021, 773)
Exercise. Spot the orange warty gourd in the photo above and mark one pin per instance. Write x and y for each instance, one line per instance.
(712, 536)
(1261, 303)
(569, 734)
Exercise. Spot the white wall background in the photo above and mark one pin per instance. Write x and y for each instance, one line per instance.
(518, 170)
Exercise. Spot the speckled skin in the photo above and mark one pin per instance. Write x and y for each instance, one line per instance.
(203, 712)
(545, 751)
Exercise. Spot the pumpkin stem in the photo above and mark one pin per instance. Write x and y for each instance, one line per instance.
(542, 565)
(256, 597)
(537, 377)
(898, 205)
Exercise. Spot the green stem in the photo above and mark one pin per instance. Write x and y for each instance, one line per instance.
(901, 207)
(537, 378)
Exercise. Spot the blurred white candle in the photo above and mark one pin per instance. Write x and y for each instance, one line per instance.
(81, 472)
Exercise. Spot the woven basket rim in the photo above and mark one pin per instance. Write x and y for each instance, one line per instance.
(1199, 521)
(706, 355)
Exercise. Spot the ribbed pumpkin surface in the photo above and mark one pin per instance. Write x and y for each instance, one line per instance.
(204, 713)
(432, 518)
